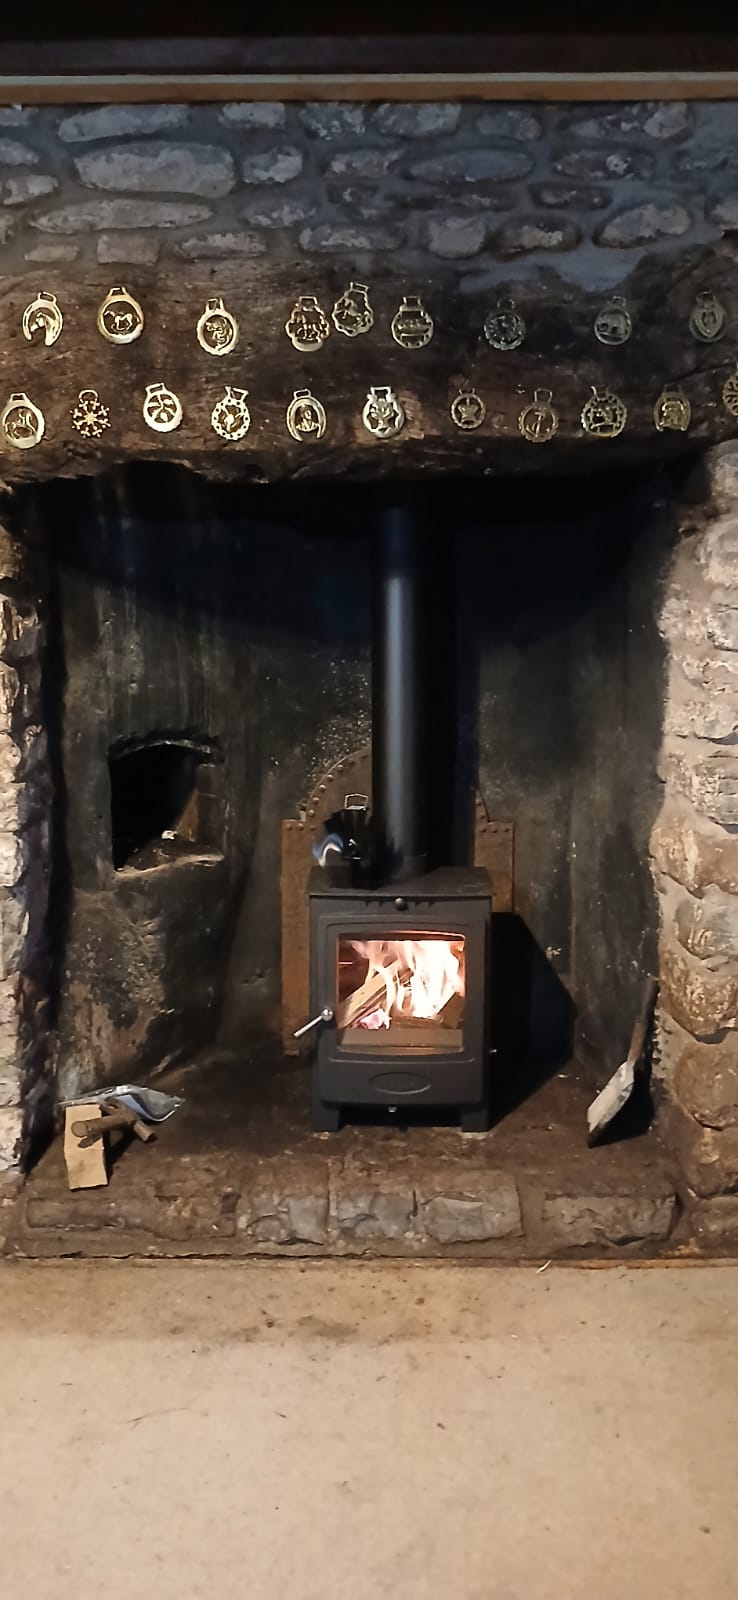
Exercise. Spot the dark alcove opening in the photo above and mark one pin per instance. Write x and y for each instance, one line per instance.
(158, 803)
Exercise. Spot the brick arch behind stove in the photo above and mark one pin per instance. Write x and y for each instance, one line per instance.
(325, 199)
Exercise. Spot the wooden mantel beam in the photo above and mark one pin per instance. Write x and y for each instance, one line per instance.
(551, 63)
(560, 353)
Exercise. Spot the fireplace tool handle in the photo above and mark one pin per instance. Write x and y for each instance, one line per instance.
(326, 1015)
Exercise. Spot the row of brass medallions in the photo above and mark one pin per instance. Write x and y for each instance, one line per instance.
(23, 423)
(603, 416)
(120, 320)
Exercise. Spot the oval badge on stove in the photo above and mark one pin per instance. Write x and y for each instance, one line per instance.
(400, 1083)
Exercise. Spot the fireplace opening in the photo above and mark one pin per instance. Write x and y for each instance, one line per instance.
(186, 607)
(163, 801)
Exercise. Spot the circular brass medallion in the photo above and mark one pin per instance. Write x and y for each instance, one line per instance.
(352, 313)
(672, 410)
(708, 318)
(605, 415)
(22, 422)
(468, 410)
(307, 326)
(613, 323)
(230, 417)
(504, 328)
(383, 415)
(412, 326)
(217, 329)
(90, 417)
(306, 418)
(162, 409)
(538, 421)
(43, 315)
(120, 318)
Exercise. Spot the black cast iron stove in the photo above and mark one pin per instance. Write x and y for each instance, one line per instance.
(399, 946)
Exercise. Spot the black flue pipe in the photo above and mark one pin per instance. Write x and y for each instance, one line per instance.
(400, 693)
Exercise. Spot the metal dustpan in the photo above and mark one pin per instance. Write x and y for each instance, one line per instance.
(151, 1105)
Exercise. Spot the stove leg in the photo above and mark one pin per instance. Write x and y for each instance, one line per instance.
(325, 1118)
(474, 1119)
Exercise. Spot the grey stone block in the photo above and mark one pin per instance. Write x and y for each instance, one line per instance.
(364, 1212)
(610, 1219)
(31, 186)
(17, 116)
(701, 1001)
(367, 164)
(655, 119)
(278, 165)
(199, 169)
(284, 1212)
(612, 164)
(11, 1138)
(725, 212)
(135, 249)
(328, 236)
(509, 122)
(333, 119)
(721, 626)
(708, 1156)
(488, 1209)
(279, 211)
(533, 234)
(715, 1222)
(717, 552)
(455, 237)
(15, 154)
(91, 216)
(416, 121)
(645, 223)
(721, 464)
(256, 114)
(307, 1217)
(471, 166)
(10, 1086)
(705, 1079)
(709, 781)
(563, 196)
(52, 252)
(708, 927)
(114, 122)
(218, 246)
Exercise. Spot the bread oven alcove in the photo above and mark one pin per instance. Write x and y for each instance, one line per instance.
(188, 667)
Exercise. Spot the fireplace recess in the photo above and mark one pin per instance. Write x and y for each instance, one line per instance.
(399, 945)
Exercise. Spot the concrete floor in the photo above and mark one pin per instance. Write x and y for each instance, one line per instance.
(305, 1432)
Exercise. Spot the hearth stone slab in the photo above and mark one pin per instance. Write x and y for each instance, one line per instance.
(239, 1172)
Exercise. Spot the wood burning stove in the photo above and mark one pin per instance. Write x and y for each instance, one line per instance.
(399, 946)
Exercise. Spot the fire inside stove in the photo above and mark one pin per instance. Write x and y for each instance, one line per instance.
(408, 994)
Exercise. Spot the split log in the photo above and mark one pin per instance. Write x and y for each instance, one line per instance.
(370, 994)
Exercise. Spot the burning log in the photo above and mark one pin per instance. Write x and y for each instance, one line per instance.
(370, 994)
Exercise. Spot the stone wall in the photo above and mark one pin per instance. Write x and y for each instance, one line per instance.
(25, 798)
(500, 190)
(695, 841)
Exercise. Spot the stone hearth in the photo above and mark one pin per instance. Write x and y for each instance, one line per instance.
(239, 1173)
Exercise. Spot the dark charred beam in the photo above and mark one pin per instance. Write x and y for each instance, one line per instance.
(625, 60)
(560, 353)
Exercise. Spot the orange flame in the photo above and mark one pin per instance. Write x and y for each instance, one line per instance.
(420, 976)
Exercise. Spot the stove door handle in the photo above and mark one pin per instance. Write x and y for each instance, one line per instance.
(326, 1015)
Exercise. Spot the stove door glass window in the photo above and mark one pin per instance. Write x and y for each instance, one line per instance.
(401, 995)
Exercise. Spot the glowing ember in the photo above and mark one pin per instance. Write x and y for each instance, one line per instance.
(418, 977)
